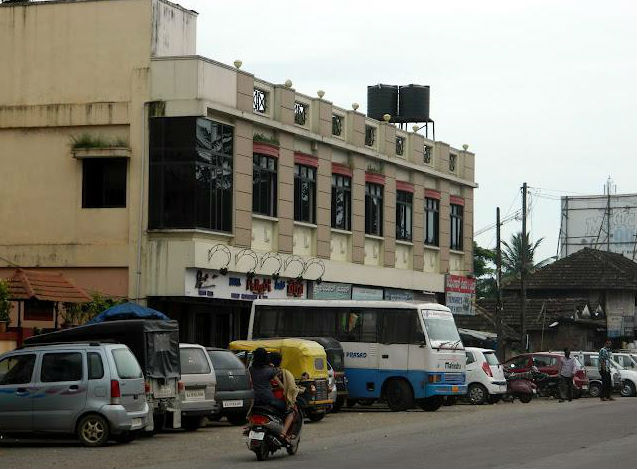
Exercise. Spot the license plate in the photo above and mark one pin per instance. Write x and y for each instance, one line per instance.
(165, 390)
(256, 435)
(136, 423)
(585, 387)
(233, 403)
(195, 394)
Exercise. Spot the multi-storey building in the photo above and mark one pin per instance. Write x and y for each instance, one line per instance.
(142, 170)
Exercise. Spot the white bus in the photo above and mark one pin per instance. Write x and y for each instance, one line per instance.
(396, 351)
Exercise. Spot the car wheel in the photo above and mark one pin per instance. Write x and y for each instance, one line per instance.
(431, 404)
(93, 430)
(628, 389)
(595, 389)
(237, 419)
(477, 393)
(526, 398)
(190, 424)
(399, 395)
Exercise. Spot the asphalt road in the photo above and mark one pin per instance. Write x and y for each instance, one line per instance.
(543, 434)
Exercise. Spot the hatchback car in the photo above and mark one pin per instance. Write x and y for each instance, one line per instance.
(590, 363)
(485, 376)
(92, 390)
(234, 393)
(548, 363)
(199, 382)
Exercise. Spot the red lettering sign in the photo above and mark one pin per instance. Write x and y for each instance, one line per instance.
(295, 288)
(259, 287)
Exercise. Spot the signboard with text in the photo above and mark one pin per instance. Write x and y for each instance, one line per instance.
(460, 294)
(331, 291)
(364, 293)
(240, 286)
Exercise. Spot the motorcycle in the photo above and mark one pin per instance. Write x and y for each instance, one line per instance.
(265, 426)
(520, 386)
(547, 385)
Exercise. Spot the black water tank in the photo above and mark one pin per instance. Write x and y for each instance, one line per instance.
(413, 103)
(382, 99)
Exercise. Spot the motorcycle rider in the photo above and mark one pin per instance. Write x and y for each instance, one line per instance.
(262, 373)
(287, 383)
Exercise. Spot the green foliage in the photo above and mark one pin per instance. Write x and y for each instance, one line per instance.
(80, 313)
(96, 141)
(484, 271)
(513, 254)
(265, 139)
(5, 305)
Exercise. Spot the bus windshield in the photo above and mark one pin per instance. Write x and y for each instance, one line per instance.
(442, 331)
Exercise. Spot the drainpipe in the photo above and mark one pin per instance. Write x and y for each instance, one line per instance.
(141, 205)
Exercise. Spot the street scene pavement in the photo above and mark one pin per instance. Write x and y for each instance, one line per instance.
(543, 434)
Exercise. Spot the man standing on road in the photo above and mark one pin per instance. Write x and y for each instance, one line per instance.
(567, 370)
(605, 357)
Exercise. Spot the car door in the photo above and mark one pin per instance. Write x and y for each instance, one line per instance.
(16, 392)
(63, 389)
(471, 367)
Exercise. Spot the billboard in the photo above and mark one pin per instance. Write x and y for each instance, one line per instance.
(460, 294)
(600, 222)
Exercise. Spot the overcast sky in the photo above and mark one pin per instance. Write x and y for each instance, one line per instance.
(542, 91)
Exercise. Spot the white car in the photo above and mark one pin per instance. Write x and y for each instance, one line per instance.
(331, 383)
(627, 360)
(629, 379)
(485, 376)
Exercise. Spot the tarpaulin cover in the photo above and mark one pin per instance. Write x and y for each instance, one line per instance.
(128, 311)
(155, 343)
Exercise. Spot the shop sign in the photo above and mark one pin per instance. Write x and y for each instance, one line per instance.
(394, 294)
(364, 293)
(460, 294)
(237, 286)
(614, 325)
(331, 291)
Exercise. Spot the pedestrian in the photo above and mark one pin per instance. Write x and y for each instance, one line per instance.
(567, 370)
(605, 356)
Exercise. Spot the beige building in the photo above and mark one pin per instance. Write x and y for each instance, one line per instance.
(142, 170)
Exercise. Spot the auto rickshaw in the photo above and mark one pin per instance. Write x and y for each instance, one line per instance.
(336, 358)
(307, 361)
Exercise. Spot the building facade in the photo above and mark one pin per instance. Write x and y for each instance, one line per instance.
(141, 170)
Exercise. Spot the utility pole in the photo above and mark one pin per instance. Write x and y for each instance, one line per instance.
(498, 280)
(608, 215)
(523, 271)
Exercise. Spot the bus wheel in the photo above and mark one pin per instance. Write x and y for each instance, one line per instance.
(431, 404)
(399, 395)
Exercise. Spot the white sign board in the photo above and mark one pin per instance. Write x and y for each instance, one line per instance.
(460, 293)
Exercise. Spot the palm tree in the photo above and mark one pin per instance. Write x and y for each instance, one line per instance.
(512, 256)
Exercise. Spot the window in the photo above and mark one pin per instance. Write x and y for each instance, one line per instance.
(104, 182)
(400, 146)
(395, 328)
(453, 159)
(427, 154)
(542, 361)
(373, 209)
(60, 367)
(519, 363)
(432, 213)
(17, 369)
(341, 202)
(264, 184)
(126, 364)
(370, 135)
(259, 101)
(300, 113)
(37, 310)
(319, 364)
(190, 174)
(470, 358)
(403, 215)
(222, 360)
(193, 361)
(358, 326)
(337, 125)
(304, 193)
(456, 227)
(95, 365)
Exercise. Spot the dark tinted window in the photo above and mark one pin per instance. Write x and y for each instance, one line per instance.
(104, 182)
(264, 184)
(357, 326)
(456, 217)
(17, 369)
(341, 202)
(126, 364)
(373, 209)
(544, 361)
(65, 366)
(304, 193)
(396, 327)
(193, 361)
(403, 215)
(282, 321)
(470, 358)
(432, 207)
(224, 360)
(95, 365)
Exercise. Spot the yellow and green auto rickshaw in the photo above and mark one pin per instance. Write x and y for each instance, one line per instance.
(307, 361)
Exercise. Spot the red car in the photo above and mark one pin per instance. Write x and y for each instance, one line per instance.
(548, 363)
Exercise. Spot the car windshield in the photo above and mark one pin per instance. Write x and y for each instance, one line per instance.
(222, 360)
(126, 364)
(442, 330)
(491, 358)
(193, 361)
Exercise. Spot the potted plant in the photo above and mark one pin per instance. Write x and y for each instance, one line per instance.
(5, 305)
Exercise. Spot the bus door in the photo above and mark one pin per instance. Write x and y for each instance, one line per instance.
(393, 347)
(358, 335)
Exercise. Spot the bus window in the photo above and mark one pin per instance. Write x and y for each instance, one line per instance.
(396, 325)
(265, 322)
(369, 330)
(417, 336)
(349, 326)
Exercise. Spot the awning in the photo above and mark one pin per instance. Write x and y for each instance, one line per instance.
(44, 286)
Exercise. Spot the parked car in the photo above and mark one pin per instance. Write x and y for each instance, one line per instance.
(199, 382)
(93, 390)
(485, 376)
(548, 363)
(590, 363)
(233, 393)
(155, 344)
(331, 385)
(625, 359)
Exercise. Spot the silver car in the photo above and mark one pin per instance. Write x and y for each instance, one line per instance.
(92, 390)
(199, 382)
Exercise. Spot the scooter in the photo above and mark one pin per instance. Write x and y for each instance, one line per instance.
(547, 385)
(264, 429)
(520, 386)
